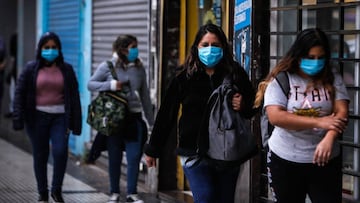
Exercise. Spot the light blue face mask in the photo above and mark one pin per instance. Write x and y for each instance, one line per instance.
(210, 56)
(133, 54)
(49, 54)
(312, 66)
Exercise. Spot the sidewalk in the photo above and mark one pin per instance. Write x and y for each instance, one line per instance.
(82, 183)
(17, 182)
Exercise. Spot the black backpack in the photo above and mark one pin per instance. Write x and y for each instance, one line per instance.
(266, 127)
(230, 137)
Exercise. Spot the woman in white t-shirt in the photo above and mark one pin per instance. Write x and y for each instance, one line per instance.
(304, 152)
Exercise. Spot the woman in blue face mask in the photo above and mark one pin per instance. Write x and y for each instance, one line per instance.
(304, 153)
(210, 59)
(47, 104)
(132, 77)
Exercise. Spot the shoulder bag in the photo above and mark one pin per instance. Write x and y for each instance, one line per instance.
(108, 112)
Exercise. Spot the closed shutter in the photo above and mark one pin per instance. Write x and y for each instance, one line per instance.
(112, 18)
(64, 20)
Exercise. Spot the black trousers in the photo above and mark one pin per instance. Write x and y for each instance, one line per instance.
(290, 181)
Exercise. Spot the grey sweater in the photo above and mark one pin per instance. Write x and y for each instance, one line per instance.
(139, 97)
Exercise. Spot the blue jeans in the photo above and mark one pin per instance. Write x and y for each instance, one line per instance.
(49, 128)
(133, 148)
(210, 183)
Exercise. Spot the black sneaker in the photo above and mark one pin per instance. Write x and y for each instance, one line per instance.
(56, 196)
(43, 197)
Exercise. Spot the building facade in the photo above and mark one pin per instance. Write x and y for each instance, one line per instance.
(260, 32)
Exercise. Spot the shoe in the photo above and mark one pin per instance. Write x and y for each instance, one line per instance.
(43, 197)
(56, 196)
(115, 197)
(133, 198)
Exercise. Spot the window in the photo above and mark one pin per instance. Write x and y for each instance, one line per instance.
(210, 11)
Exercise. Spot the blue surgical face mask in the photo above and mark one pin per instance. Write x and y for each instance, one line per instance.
(210, 56)
(49, 54)
(133, 54)
(312, 66)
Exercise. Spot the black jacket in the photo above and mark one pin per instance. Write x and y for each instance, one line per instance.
(25, 98)
(192, 95)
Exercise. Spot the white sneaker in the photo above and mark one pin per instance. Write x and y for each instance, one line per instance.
(115, 197)
(133, 198)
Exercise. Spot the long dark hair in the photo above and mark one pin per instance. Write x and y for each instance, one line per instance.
(305, 40)
(43, 40)
(192, 63)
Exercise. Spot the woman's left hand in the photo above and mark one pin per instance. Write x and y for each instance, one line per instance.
(323, 151)
(236, 101)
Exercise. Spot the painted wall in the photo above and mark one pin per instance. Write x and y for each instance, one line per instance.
(19, 16)
(28, 41)
(8, 19)
(71, 20)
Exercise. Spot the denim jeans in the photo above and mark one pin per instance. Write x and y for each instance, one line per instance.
(210, 183)
(49, 128)
(116, 144)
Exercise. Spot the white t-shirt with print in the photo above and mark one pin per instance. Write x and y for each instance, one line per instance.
(299, 145)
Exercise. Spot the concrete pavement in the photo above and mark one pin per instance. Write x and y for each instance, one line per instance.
(82, 183)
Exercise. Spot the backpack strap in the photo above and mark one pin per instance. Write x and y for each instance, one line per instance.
(283, 79)
(112, 69)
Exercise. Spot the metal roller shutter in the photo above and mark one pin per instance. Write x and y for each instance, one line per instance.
(64, 19)
(112, 18)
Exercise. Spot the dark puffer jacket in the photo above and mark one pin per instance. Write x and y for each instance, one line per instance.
(192, 95)
(25, 97)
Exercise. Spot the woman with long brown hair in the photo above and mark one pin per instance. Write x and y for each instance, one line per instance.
(304, 152)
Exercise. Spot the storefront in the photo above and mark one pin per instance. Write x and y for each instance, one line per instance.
(258, 43)
(111, 18)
